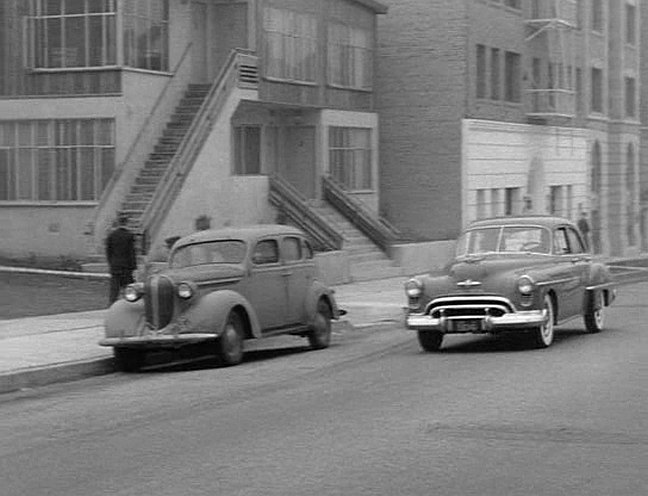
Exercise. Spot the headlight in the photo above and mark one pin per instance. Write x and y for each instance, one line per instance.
(133, 292)
(185, 291)
(413, 288)
(525, 285)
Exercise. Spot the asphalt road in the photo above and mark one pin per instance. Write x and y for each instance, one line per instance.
(372, 415)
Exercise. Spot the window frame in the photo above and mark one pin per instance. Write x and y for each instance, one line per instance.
(353, 61)
(346, 172)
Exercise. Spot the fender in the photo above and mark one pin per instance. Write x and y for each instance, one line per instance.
(316, 291)
(211, 312)
(124, 318)
(599, 275)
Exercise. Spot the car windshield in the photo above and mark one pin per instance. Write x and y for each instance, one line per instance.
(211, 252)
(507, 239)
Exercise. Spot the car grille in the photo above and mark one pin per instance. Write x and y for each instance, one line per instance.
(469, 306)
(159, 301)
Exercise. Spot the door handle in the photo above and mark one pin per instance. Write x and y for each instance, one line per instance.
(286, 274)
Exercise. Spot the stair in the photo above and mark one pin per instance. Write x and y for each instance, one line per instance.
(366, 260)
(143, 188)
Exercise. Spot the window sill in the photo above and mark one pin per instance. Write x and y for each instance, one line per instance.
(48, 203)
(295, 82)
(349, 88)
(50, 70)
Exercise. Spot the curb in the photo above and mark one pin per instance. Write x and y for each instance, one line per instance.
(51, 374)
(64, 273)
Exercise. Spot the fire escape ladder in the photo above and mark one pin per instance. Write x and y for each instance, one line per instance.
(551, 28)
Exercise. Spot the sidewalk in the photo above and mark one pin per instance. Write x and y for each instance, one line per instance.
(36, 351)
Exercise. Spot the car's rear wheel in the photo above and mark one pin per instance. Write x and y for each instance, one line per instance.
(543, 336)
(229, 345)
(319, 336)
(128, 359)
(430, 340)
(595, 312)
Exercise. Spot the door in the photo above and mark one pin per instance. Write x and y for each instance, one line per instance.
(199, 42)
(569, 274)
(266, 287)
(299, 169)
(229, 31)
(298, 272)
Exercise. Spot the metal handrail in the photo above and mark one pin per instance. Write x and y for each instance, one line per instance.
(379, 230)
(128, 158)
(296, 207)
(191, 144)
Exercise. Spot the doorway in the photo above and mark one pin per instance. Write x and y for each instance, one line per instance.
(199, 43)
(300, 159)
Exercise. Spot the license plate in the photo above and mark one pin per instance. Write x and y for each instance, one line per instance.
(467, 326)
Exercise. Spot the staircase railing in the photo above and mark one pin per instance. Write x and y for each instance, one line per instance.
(375, 228)
(240, 70)
(126, 171)
(295, 207)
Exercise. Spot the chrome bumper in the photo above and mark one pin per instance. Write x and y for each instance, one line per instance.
(157, 340)
(450, 325)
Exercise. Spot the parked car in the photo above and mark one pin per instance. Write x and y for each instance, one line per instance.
(221, 287)
(514, 274)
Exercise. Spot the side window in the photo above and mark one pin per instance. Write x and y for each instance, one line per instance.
(291, 249)
(308, 250)
(266, 252)
(575, 243)
(561, 246)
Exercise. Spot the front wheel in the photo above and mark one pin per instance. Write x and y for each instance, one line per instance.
(319, 336)
(543, 336)
(229, 345)
(595, 312)
(128, 359)
(430, 340)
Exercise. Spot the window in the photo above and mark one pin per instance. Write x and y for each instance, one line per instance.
(597, 90)
(481, 203)
(291, 249)
(495, 202)
(570, 201)
(247, 150)
(597, 15)
(561, 245)
(579, 89)
(495, 74)
(291, 46)
(511, 201)
(350, 57)
(556, 200)
(56, 160)
(630, 24)
(350, 157)
(481, 71)
(146, 32)
(514, 4)
(266, 252)
(72, 34)
(512, 71)
(308, 250)
(575, 243)
(630, 97)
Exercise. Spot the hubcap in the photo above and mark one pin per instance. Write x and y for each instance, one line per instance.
(547, 328)
(231, 342)
(599, 312)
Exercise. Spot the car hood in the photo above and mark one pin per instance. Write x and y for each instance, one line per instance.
(485, 267)
(204, 273)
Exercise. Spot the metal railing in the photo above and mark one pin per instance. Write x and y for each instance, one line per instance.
(297, 210)
(240, 70)
(381, 232)
(123, 176)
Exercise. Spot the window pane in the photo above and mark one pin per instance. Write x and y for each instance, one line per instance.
(45, 176)
(95, 41)
(75, 42)
(87, 170)
(52, 7)
(25, 174)
(107, 167)
(5, 176)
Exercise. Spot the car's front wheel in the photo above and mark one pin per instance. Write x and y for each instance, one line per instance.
(229, 345)
(595, 312)
(128, 359)
(543, 336)
(319, 336)
(430, 340)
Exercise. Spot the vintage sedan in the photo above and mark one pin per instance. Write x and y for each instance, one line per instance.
(222, 287)
(513, 274)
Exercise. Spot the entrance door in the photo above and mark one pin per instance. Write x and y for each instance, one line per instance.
(300, 159)
(199, 39)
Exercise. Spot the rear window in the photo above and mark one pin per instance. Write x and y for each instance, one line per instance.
(212, 252)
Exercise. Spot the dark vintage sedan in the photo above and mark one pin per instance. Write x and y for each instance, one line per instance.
(512, 274)
(220, 288)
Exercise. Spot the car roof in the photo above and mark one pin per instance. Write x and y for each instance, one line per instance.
(550, 221)
(245, 233)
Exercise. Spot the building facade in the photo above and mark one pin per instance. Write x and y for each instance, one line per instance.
(174, 110)
(500, 107)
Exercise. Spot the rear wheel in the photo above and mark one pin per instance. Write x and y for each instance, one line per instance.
(319, 336)
(430, 340)
(543, 336)
(595, 312)
(229, 345)
(128, 359)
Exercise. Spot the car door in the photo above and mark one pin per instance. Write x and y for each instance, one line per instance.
(299, 271)
(567, 276)
(581, 261)
(266, 289)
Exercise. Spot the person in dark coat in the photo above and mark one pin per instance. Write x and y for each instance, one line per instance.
(120, 252)
(584, 228)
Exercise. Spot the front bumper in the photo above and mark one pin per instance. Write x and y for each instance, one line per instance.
(157, 340)
(522, 320)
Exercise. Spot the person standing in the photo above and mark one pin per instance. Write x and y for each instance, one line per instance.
(120, 252)
(584, 228)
